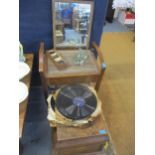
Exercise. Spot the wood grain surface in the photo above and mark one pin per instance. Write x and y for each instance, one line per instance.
(90, 71)
(71, 140)
(90, 66)
(71, 133)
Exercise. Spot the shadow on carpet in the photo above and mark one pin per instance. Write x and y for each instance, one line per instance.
(36, 138)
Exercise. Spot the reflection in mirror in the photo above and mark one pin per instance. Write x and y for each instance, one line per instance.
(72, 24)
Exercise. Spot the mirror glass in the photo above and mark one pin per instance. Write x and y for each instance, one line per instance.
(72, 24)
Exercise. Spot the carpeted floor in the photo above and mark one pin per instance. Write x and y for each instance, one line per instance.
(115, 26)
(117, 90)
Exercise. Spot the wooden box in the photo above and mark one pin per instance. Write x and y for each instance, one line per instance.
(80, 141)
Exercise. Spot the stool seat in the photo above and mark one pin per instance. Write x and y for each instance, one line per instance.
(90, 66)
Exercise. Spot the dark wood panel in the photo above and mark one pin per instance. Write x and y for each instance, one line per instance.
(71, 140)
(72, 80)
(94, 148)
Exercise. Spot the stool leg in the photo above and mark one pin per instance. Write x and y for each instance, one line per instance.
(98, 83)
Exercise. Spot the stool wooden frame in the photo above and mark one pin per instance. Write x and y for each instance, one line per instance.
(83, 77)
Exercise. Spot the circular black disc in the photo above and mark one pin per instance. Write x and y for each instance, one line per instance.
(76, 102)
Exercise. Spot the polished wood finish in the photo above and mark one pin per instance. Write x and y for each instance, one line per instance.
(23, 105)
(88, 69)
(101, 62)
(91, 71)
(70, 140)
(42, 67)
(99, 52)
(41, 57)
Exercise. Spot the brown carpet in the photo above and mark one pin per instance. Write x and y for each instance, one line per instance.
(117, 89)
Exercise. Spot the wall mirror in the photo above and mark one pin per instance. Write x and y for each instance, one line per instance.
(72, 21)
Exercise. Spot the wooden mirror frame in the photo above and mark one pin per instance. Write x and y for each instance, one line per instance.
(90, 26)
